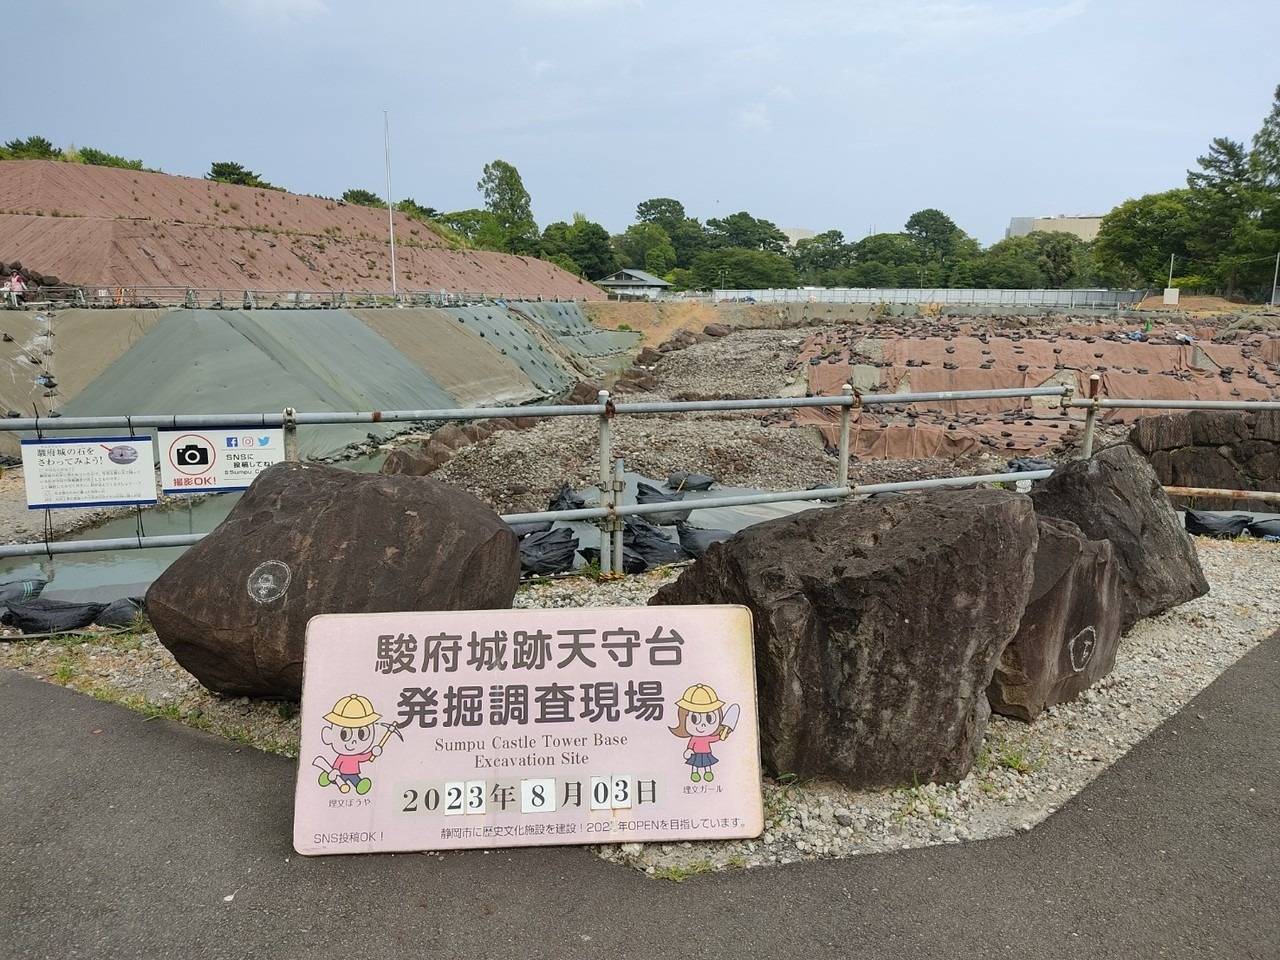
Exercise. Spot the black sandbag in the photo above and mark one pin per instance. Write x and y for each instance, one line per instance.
(1265, 528)
(651, 543)
(566, 498)
(1027, 464)
(696, 540)
(682, 480)
(124, 612)
(649, 494)
(51, 616)
(20, 591)
(549, 551)
(524, 529)
(632, 562)
(1206, 524)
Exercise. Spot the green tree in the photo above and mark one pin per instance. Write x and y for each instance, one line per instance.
(635, 243)
(1013, 263)
(32, 148)
(739, 268)
(224, 171)
(584, 242)
(363, 198)
(1057, 257)
(507, 200)
(1264, 158)
(477, 228)
(1136, 238)
(411, 208)
(818, 259)
(686, 234)
(100, 158)
(934, 232)
(741, 229)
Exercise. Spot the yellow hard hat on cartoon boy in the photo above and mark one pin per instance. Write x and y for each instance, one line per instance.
(353, 711)
(700, 698)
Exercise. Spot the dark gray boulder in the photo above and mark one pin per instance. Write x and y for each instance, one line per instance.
(307, 539)
(1069, 632)
(1115, 495)
(877, 628)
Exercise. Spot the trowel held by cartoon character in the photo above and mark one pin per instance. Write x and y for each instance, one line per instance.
(704, 719)
(350, 734)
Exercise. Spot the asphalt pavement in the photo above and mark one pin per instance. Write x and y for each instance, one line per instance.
(128, 837)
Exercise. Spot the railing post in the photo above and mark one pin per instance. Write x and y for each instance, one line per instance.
(846, 414)
(606, 479)
(290, 423)
(1090, 418)
(618, 485)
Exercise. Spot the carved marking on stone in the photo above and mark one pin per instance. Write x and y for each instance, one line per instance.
(269, 581)
(1080, 648)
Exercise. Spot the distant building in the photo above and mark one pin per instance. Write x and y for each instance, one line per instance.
(634, 284)
(796, 234)
(1086, 228)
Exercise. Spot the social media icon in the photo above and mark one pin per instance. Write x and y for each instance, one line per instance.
(233, 441)
(264, 441)
(246, 441)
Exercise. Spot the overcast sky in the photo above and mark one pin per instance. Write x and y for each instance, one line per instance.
(810, 113)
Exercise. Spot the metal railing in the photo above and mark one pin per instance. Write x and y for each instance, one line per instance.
(106, 296)
(946, 295)
(610, 513)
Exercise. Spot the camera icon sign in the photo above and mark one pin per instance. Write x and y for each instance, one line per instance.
(192, 454)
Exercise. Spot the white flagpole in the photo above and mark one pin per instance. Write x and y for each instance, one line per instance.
(391, 213)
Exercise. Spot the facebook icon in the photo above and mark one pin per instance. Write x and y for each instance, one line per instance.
(233, 441)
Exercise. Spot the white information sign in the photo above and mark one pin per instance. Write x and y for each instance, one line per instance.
(88, 472)
(216, 459)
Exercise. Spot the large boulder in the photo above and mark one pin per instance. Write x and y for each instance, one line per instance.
(1070, 630)
(1115, 495)
(877, 628)
(308, 539)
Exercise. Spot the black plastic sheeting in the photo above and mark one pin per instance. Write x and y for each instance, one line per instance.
(1265, 528)
(632, 562)
(696, 540)
(1208, 524)
(124, 612)
(650, 543)
(566, 498)
(1027, 464)
(681, 480)
(548, 551)
(649, 494)
(51, 616)
(534, 526)
(20, 591)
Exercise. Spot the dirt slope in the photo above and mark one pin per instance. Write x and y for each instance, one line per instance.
(98, 225)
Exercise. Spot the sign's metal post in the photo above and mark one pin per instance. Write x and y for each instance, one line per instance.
(606, 478)
(846, 414)
(1091, 418)
(618, 485)
(289, 421)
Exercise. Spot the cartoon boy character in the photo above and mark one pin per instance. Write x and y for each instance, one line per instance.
(349, 733)
(703, 718)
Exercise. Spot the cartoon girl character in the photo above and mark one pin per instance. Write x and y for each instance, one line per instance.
(703, 719)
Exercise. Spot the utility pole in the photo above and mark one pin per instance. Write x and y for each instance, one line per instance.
(1275, 283)
(1170, 283)
(391, 212)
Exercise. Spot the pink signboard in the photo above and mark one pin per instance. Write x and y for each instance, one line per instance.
(506, 728)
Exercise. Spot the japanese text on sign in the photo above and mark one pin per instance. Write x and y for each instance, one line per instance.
(530, 726)
(216, 459)
(88, 472)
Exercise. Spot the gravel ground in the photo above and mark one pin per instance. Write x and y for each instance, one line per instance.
(747, 363)
(1026, 771)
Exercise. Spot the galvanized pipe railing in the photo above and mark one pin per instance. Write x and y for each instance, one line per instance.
(610, 511)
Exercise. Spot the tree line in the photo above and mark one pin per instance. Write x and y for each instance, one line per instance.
(1222, 230)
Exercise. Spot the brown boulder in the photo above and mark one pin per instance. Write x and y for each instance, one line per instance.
(584, 393)
(648, 357)
(877, 628)
(1115, 495)
(412, 461)
(1069, 632)
(717, 330)
(307, 539)
(451, 435)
